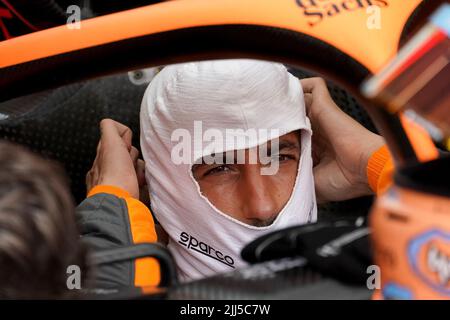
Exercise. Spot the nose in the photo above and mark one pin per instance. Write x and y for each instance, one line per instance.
(260, 205)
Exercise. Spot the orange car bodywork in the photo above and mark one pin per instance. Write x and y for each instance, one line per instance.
(411, 237)
(345, 24)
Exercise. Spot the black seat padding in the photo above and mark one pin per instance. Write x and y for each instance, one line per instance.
(63, 124)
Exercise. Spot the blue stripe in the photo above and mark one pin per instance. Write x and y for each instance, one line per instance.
(441, 18)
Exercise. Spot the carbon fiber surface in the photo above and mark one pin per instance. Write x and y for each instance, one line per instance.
(279, 279)
(63, 124)
(285, 279)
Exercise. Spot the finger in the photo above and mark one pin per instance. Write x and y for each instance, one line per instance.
(93, 172)
(99, 146)
(307, 85)
(89, 182)
(308, 101)
(125, 133)
(329, 118)
(98, 156)
(87, 179)
(134, 154)
(114, 133)
(94, 177)
(140, 172)
(311, 84)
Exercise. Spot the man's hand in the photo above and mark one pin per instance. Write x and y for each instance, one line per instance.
(341, 146)
(116, 163)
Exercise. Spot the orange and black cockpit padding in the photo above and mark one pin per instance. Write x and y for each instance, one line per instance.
(330, 37)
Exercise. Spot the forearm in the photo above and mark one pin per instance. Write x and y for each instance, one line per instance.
(110, 218)
(381, 166)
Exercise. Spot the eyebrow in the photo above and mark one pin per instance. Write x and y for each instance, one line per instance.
(283, 145)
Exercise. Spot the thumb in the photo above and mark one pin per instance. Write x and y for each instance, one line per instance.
(115, 133)
(140, 172)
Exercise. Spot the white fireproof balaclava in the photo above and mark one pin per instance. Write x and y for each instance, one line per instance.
(221, 95)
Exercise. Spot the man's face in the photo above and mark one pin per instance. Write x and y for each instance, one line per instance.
(242, 192)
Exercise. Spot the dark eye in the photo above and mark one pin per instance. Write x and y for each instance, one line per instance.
(219, 169)
(284, 157)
